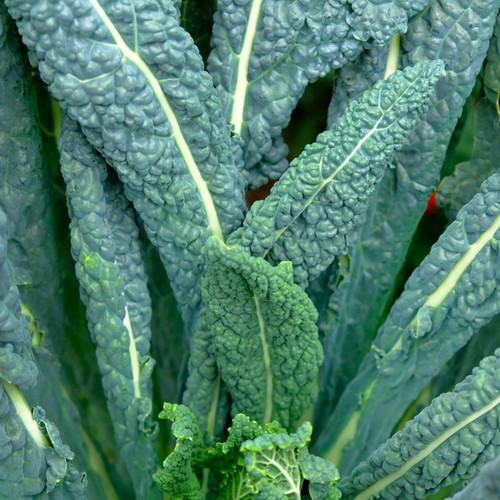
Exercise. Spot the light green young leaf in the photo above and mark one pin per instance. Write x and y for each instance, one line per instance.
(109, 267)
(449, 440)
(177, 477)
(323, 194)
(271, 462)
(265, 338)
(225, 460)
(454, 292)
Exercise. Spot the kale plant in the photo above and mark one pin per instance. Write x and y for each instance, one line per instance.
(135, 282)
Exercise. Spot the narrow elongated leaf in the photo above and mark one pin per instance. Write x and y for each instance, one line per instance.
(105, 246)
(144, 101)
(25, 190)
(323, 194)
(267, 51)
(449, 440)
(454, 292)
(265, 338)
(377, 250)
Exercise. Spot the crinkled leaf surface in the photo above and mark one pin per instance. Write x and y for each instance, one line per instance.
(450, 295)
(323, 194)
(485, 486)
(378, 248)
(177, 477)
(449, 440)
(271, 462)
(139, 92)
(109, 267)
(265, 339)
(267, 51)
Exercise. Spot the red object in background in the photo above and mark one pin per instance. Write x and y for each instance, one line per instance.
(431, 205)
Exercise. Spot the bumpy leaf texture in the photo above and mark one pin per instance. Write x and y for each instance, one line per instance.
(177, 477)
(449, 440)
(323, 194)
(33, 459)
(265, 338)
(492, 69)
(448, 297)
(109, 267)
(133, 79)
(483, 487)
(25, 198)
(267, 51)
(459, 34)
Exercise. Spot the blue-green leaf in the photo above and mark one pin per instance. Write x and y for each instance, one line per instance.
(449, 440)
(105, 246)
(143, 100)
(323, 194)
(377, 251)
(485, 486)
(454, 292)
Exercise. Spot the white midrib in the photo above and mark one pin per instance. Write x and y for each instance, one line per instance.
(460, 267)
(451, 280)
(240, 90)
(377, 487)
(134, 358)
(329, 179)
(267, 363)
(24, 413)
(201, 185)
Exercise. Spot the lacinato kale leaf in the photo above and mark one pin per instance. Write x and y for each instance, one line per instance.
(138, 275)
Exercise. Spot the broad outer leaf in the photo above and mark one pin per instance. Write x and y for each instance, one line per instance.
(449, 440)
(458, 33)
(133, 79)
(109, 267)
(265, 338)
(323, 194)
(454, 292)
